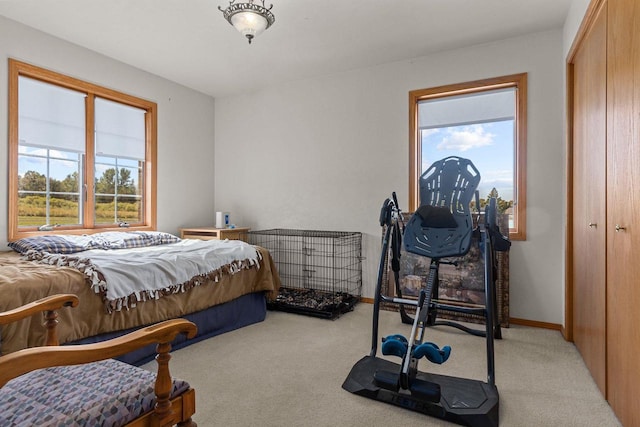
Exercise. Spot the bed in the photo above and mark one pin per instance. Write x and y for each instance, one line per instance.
(226, 298)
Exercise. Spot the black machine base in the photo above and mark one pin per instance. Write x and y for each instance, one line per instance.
(463, 401)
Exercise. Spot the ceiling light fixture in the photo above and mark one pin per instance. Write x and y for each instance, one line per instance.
(250, 18)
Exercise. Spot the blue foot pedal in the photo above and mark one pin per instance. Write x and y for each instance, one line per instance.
(432, 352)
(394, 345)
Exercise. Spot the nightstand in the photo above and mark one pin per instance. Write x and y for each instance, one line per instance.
(212, 233)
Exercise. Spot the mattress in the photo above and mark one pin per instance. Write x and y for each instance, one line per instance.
(23, 281)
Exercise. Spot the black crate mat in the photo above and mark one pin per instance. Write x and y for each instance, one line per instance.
(313, 302)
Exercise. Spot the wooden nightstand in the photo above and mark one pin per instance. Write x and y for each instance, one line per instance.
(212, 233)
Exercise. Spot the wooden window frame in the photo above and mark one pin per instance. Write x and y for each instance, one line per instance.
(149, 216)
(518, 81)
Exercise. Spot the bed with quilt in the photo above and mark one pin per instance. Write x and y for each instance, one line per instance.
(126, 280)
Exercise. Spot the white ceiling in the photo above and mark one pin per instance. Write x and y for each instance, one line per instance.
(189, 42)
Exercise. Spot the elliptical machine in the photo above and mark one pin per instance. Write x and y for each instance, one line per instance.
(441, 230)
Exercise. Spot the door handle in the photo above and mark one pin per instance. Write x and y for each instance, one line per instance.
(618, 228)
(593, 224)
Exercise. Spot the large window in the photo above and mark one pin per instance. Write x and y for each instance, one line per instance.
(81, 157)
(483, 121)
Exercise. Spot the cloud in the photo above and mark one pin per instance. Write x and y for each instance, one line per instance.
(500, 179)
(41, 154)
(61, 163)
(465, 138)
(504, 175)
(428, 132)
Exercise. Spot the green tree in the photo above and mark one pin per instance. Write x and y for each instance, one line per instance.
(501, 204)
(106, 184)
(70, 183)
(32, 181)
(125, 182)
(55, 186)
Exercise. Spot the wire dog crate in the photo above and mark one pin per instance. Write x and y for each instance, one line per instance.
(320, 271)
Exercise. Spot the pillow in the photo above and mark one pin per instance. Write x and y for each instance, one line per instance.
(69, 244)
(131, 239)
(58, 244)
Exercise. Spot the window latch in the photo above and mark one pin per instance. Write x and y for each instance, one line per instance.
(48, 227)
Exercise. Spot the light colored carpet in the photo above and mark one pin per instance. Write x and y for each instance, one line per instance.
(289, 370)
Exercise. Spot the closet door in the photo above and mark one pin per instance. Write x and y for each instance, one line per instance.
(623, 210)
(589, 200)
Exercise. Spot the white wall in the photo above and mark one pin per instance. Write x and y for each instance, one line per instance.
(577, 11)
(185, 122)
(324, 153)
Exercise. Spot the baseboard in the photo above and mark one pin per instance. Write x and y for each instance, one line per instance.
(535, 324)
(512, 320)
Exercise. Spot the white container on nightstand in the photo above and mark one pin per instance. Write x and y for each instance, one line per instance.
(222, 219)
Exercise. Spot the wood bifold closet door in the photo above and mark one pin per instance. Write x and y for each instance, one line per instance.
(606, 204)
(589, 199)
(623, 210)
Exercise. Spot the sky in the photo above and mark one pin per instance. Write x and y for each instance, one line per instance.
(488, 145)
(35, 160)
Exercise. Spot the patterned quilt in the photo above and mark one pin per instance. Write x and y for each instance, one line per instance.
(130, 275)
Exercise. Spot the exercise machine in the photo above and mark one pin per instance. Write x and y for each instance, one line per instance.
(441, 229)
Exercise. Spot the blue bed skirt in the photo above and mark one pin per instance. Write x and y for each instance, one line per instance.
(216, 320)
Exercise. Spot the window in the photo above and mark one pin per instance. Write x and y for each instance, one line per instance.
(81, 157)
(483, 121)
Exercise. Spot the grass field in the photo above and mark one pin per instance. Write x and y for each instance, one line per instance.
(32, 212)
